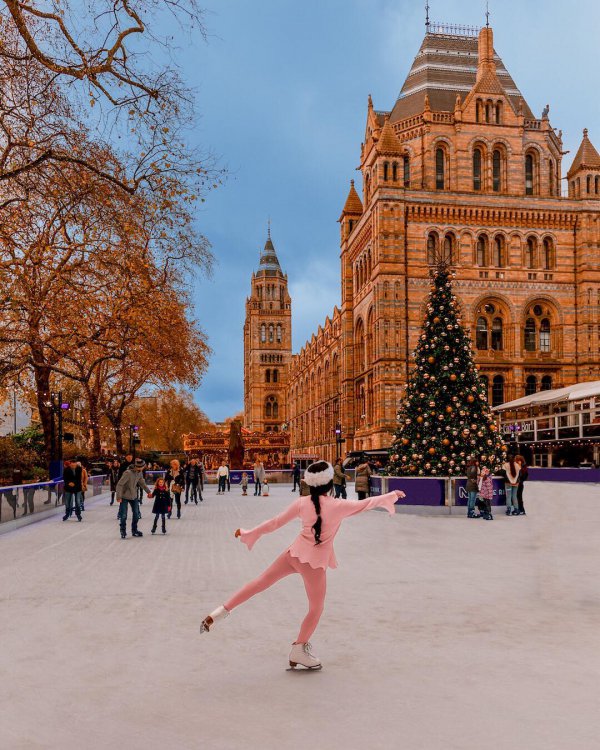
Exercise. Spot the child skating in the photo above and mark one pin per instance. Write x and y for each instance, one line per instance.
(245, 483)
(310, 554)
(486, 490)
(162, 504)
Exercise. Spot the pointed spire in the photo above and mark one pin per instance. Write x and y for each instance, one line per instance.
(353, 205)
(269, 262)
(370, 102)
(388, 142)
(427, 22)
(487, 81)
(586, 157)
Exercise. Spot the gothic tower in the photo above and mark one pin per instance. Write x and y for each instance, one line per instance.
(267, 345)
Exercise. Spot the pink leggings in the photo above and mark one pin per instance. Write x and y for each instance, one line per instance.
(315, 583)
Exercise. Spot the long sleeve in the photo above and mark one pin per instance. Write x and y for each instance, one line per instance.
(352, 507)
(253, 535)
(142, 483)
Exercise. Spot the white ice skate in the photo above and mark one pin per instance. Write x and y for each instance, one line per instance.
(220, 613)
(301, 654)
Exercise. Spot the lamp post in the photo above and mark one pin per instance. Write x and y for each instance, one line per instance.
(134, 438)
(338, 438)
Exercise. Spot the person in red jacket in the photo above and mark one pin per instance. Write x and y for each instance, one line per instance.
(310, 554)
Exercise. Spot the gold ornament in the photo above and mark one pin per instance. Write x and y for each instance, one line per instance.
(431, 360)
(453, 377)
(431, 451)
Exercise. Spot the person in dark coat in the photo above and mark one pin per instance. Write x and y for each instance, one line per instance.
(296, 475)
(73, 486)
(114, 474)
(192, 480)
(523, 475)
(125, 464)
(162, 504)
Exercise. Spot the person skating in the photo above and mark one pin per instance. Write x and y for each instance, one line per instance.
(362, 480)
(511, 486)
(127, 493)
(296, 475)
(84, 484)
(222, 474)
(72, 485)
(113, 477)
(472, 486)
(162, 504)
(339, 479)
(310, 554)
(486, 490)
(523, 475)
(244, 483)
(192, 479)
(175, 481)
(259, 477)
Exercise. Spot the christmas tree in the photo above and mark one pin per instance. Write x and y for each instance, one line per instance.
(444, 417)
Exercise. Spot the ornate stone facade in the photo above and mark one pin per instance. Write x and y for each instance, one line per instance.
(459, 168)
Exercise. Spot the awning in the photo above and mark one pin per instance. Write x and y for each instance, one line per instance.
(576, 392)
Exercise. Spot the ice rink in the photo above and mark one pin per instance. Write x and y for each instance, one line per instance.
(439, 633)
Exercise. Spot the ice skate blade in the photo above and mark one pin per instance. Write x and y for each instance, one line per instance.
(293, 665)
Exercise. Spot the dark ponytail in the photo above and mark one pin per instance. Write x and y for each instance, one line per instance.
(315, 495)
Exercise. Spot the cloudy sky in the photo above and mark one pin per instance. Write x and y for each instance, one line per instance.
(282, 92)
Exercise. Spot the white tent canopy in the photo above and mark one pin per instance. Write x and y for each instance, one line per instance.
(575, 392)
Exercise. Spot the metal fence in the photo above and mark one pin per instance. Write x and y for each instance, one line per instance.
(19, 500)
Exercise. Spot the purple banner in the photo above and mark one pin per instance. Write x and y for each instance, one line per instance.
(426, 491)
(375, 486)
(461, 496)
(563, 475)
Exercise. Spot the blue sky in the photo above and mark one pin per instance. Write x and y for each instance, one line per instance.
(282, 91)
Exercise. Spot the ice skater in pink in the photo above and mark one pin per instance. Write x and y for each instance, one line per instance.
(310, 554)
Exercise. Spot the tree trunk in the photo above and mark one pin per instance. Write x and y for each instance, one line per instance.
(42, 386)
(94, 413)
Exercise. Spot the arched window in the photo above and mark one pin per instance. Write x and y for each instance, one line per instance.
(386, 169)
(360, 346)
(530, 385)
(530, 247)
(529, 174)
(529, 335)
(406, 169)
(498, 390)
(588, 184)
(488, 111)
(440, 169)
(482, 259)
(432, 242)
(497, 343)
(545, 335)
(498, 113)
(547, 254)
(497, 170)
(448, 248)
(499, 254)
(263, 333)
(279, 332)
(478, 108)
(271, 333)
(275, 409)
(269, 406)
(395, 171)
(268, 376)
(597, 185)
(547, 383)
(275, 376)
(551, 176)
(481, 334)
(477, 169)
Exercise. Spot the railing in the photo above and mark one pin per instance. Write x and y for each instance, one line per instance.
(20, 500)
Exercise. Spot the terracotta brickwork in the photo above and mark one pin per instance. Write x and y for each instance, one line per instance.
(459, 168)
(267, 345)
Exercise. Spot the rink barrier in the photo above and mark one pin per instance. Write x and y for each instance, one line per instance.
(21, 500)
(433, 491)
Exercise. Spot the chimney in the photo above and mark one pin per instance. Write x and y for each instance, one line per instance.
(486, 52)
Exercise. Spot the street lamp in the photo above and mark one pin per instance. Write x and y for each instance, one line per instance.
(338, 438)
(134, 438)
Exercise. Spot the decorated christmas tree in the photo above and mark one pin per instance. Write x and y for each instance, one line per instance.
(444, 417)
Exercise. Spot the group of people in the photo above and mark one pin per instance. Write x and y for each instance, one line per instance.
(480, 487)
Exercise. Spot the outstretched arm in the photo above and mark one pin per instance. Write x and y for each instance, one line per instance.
(387, 501)
(253, 535)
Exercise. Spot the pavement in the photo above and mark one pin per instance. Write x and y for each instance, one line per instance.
(439, 632)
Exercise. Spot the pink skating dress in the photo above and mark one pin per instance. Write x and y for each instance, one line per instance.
(333, 513)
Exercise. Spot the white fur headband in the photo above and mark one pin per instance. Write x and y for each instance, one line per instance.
(320, 478)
